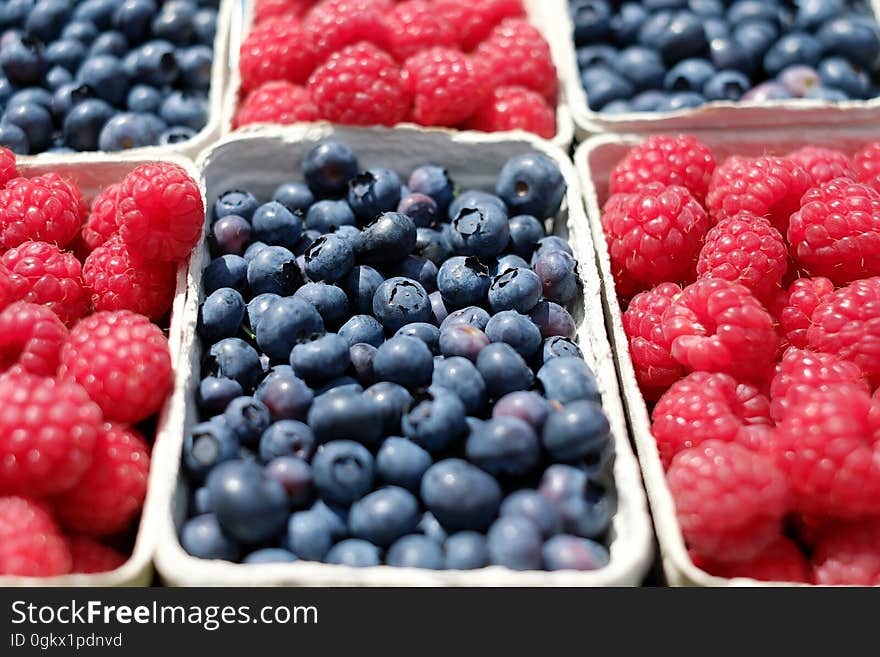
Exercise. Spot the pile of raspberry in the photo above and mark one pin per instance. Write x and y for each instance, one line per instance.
(752, 296)
(470, 64)
(83, 367)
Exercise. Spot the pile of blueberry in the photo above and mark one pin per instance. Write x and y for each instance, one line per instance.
(666, 55)
(390, 377)
(103, 74)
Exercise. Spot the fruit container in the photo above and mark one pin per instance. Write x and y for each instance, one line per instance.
(594, 161)
(539, 15)
(262, 161)
(92, 172)
(713, 115)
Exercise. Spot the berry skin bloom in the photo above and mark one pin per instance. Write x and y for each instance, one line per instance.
(651, 354)
(118, 279)
(836, 233)
(360, 85)
(849, 554)
(654, 235)
(729, 500)
(7, 166)
(278, 49)
(847, 324)
(745, 249)
(473, 21)
(769, 187)
(781, 561)
(682, 160)
(704, 406)
(44, 208)
(100, 225)
(414, 26)
(111, 493)
(719, 326)
(122, 360)
(822, 164)
(335, 24)
(866, 164)
(276, 102)
(31, 338)
(160, 211)
(47, 434)
(804, 295)
(42, 274)
(89, 556)
(515, 108)
(31, 544)
(445, 87)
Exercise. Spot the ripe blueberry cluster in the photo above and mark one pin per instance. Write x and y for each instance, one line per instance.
(667, 55)
(104, 74)
(390, 376)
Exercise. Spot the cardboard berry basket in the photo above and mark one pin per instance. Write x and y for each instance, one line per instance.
(714, 115)
(243, 20)
(92, 173)
(595, 160)
(261, 161)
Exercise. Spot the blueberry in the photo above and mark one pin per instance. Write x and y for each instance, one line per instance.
(515, 289)
(827, 94)
(14, 138)
(154, 63)
(418, 269)
(35, 121)
(343, 471)
(707, 8)
(269, 555)
(435, 420)
(516, 330)
(384, 515)
(309, 535)
(641, 66)
(58, 76)
(552, 319)
(463, 281)
(203, 537)
(746, 10)
(604, 86)
(504, 446)
(215, 393)
(462, 340)
(525, 232)
(257, 306)
(401, 462)
(725, 85)
(466, 551)
(596, 55)
(252, 250)
(231, 234)
(247, 418)
(287, 438)
(221, 315)
(591, 19)
(568, 379)
(250, 506)
(127, 130)
(23, 61)
(362, 328)
(416, 551)
(274, 270)
(558, 270)
(226, 271)
(328, 167)
(106, 76)
(286, 323)
(792, 48)
(617, 107)
(185, 109)
(400, 301)
(285, 395)
(174, 22)
(460, 495)
(528, 406)
(857, 41)
(558, 346)
(472, 316)
(726, 53)
(503, 370)
(328, 215)
(474, 199)
(392, 401)
(431, 528)
(812, 14)
(207, 445)
(244, 204)
(767, 91)
(233, 358)
(584, 505)
(97, 12)
(275, 224)
(360, 284)
(295, 196)
(483, 232)
(329, 258)
(205, 26)
(515, 542)
(133, 18)
(839, 73)
(439, 310)
(201, 501)
(295, 476)
(531, 184)
(434, 182)
(387, 239)
(14, 12)
(798, 80)
(329, 300)
(66, 53)
(421, 209)
(460, 376)
(78, 30)
(626, 22)
(345, 415)
(550, 244)
(689, 75)
(534, 507)
(354, 553)
(109, 43)
(579, 431)
(373, 192)
(565, 552)
(676, 35)
(321, 359)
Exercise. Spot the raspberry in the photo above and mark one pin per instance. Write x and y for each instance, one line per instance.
(31, 545)
(822, 164)
(100, 225)
(111, 492)
(801, 372)
(89, 556)
(651, 355)
(276, 102)
(31, 338)
(781, 561)
(360, 85)
(704, 406)
(335, 24)
(745, 249)
(769, 187)
(7, 166)
(47, 434)
(654, 235)
(682, 160)
(7, 292)
(445, 87)
(518, 55)
(44, 275)
(804, 295)
(515, 108)
(866, 164)
(414, 26)
(118, 279)
(277, 49)
(847, 323)
(836, 233)
(268, 9)
(719, 326)
(45, 208)
(122, 360)
(474, 20)
(160, 211)
(849, 553)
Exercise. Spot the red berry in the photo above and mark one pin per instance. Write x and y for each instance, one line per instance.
(719, 326)
(745, 249)
(849, 554)
(847, 323)
(7, 166)
(822, 164)
(445, 87)
(414, 26)
(31, 544)
(47, 434)
(111, 493)
(866, 164)
(122, 360)
(31, 338)
(100, 225)
(682, 160)
(651, 354)
(334, 24)
(518, 55)
(782, 561)
(769, 187)
(360, 85)
(276, 102)
(268, 9)
(42, 274)
(118, 279)
(704, 406)
(278, 49)
(160, 211)
(89, 556)
(474, 20)
(515, 108)
(44, 208)
(804, 295)
(7, 293)
(654, 235)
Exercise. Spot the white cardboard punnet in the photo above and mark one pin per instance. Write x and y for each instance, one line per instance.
(261, 161)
